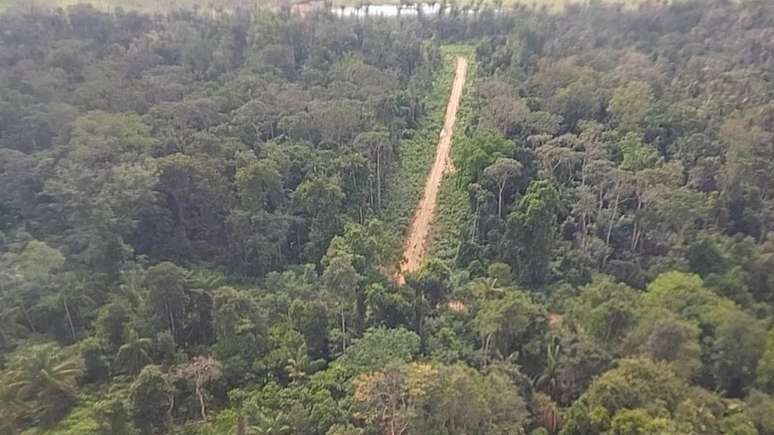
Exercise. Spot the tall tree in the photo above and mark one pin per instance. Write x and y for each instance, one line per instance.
(202, 371)
(503, 172)
(167, 297)
(532, 232)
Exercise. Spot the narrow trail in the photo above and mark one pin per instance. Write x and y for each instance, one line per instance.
(416, 244)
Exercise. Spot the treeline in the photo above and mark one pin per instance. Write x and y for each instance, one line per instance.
(196, 224)
(620, 165)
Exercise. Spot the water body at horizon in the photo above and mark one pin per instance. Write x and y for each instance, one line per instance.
(386, 10)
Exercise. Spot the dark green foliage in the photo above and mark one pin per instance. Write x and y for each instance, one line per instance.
(150, 400)
(532, 225)
(202, 212)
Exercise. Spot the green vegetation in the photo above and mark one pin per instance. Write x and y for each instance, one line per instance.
(199, 211)
(453, 210)
(417, 152)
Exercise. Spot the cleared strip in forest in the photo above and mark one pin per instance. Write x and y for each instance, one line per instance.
(417, 242)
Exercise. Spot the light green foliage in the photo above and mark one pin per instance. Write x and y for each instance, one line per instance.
(377, 348)
(683, 294)
(274, 409)
(474, 154)
(738, 424)
(36, 263)
(737, 339)
(662, 336)
(461, 400)
(636, 155)
(44, 378)
(638, 422)
(511, 325)
(629, 105)
(643, 397)
(765, 372)
(387, 399)
(761, 410)
(605, 311)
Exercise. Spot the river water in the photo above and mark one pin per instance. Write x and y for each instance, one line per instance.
(386, 10)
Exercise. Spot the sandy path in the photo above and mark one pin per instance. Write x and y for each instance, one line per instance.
(417, 242)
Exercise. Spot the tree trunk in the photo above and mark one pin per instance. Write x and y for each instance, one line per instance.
(379, 180)
(171, 317)
(200, 395)
(27, 317)
(474, 223)
(500, 200)
(612, 217)
(636, 232)
(69, 318)
(169, 411)
(343, 332)
(418, 312)
(360, 309)
(241, 426)
(487, 344)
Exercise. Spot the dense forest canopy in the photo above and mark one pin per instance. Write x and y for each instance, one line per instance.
(201, 216)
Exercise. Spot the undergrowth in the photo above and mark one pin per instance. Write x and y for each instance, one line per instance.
(453, 208)
(407, 181)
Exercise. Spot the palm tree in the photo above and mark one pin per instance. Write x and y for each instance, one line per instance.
(205, 279)
(134, 355)
(486, 288)
(298, 365)
(131, 284)
(45, 377)
(269, 425)
(548, 381)
(11, 411)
